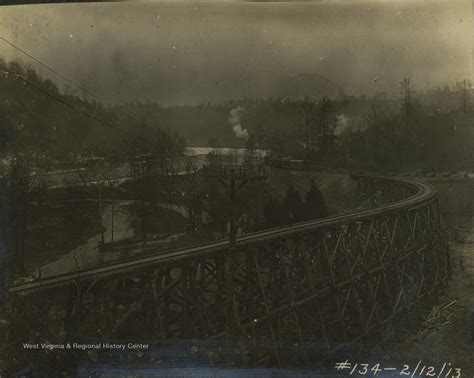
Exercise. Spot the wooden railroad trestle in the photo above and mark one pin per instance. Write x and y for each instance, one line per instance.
(325, 287)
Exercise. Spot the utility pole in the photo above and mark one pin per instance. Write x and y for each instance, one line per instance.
(233, 178)
(100, 212)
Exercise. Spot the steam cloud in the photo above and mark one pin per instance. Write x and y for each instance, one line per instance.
(234, 121)
(343, 123)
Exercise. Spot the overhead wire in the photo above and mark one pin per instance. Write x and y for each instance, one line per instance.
(81, 111)
(85, 90)
(62, 76)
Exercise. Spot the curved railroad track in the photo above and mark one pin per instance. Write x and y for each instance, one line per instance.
(417, 194)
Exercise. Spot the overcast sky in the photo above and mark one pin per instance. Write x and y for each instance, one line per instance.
(176, 53)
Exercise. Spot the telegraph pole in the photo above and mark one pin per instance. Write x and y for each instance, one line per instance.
(233, 178)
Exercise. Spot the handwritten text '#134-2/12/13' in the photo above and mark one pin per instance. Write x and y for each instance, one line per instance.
(445, 370)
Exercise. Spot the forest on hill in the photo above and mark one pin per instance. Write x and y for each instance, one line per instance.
(429, 129)
(417, 129)
(38, 120)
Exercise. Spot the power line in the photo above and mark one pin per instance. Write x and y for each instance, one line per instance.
(83, 112)
(58, 148)
(109, 104)
(141, 123)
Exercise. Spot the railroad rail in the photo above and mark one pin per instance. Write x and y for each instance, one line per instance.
(334, 280)
(366, 184)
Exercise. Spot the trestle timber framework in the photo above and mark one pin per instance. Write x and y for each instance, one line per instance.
(322, 283)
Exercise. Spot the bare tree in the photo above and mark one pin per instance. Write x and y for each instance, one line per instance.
(407, 91)
(23, 166)
(191, 189)
(464, 88)
(326, 121)
(171, 172)
(308, 109)
(142, 184)
(109, 175)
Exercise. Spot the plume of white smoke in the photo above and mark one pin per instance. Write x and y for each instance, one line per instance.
(234, 121)
(343, 124)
